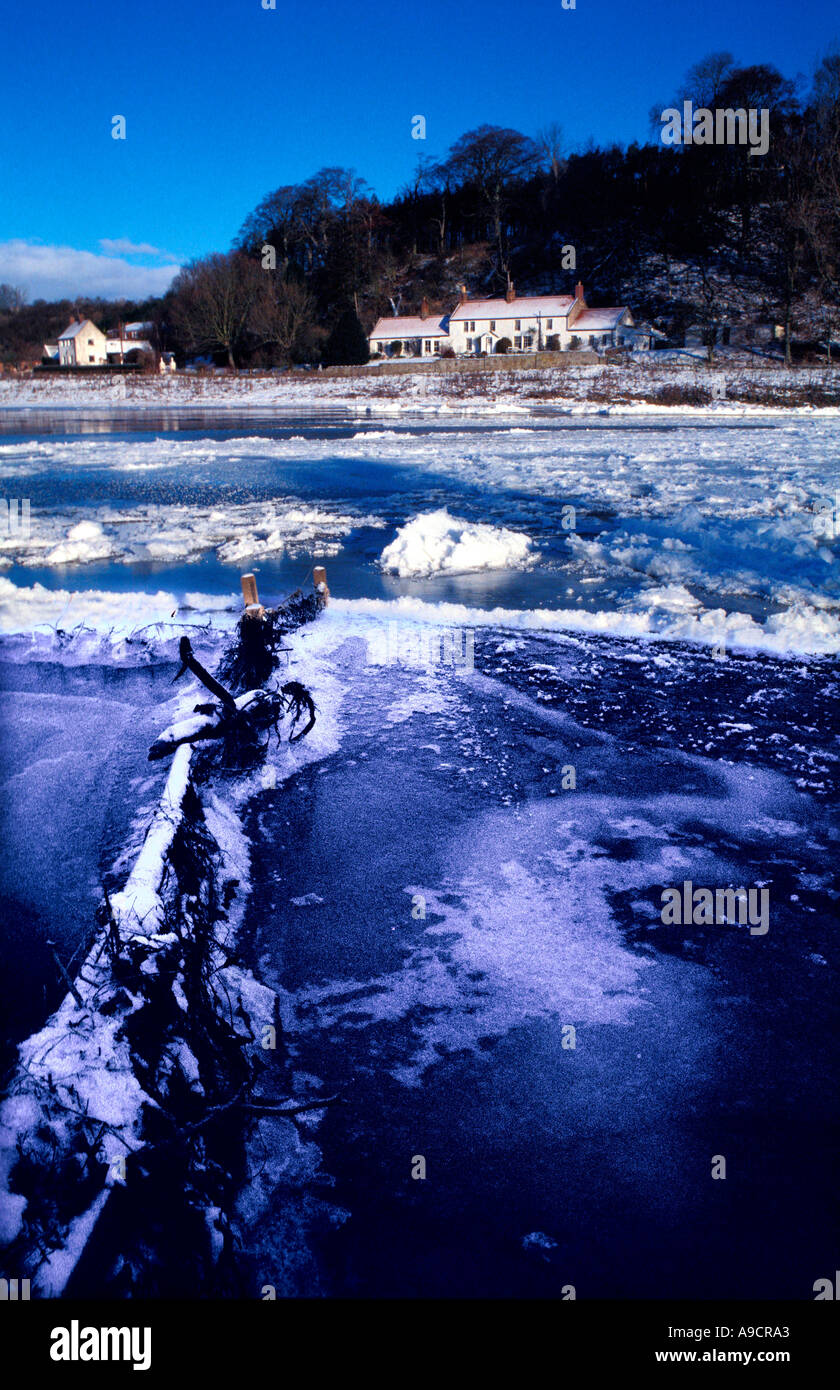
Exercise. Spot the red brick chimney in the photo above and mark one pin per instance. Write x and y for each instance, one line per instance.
(579, 290)
(462, 294)
(510, 293)
(424, 308)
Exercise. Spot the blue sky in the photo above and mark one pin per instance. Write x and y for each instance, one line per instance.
(224, 101)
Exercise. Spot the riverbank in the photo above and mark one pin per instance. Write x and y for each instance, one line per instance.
(728, 387)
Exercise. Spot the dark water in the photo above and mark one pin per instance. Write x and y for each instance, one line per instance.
(606, 1150)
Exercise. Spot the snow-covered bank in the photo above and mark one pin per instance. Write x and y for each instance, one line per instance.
(593, 388)
(85, 1082)
(160, 1026)
(34, 610)
(437, 908)
(669, 613)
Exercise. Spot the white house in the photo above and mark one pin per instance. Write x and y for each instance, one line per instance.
(424, 335)
(138, 330)
(85, 345)
(532, 323)
(605, 328)
(118, 348)
(82, 345)
(477, 325)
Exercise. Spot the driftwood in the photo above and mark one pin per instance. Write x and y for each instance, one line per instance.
(189, 663)
(161, 1001)
(243, 717)
(255, 654)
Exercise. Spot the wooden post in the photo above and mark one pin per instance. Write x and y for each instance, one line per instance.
(253, 607)
(319, 579)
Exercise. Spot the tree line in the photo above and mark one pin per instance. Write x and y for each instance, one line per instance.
(315, 263)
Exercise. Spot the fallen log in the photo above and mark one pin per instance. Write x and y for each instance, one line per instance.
(255, 654)
(244, 717)
(190, 663)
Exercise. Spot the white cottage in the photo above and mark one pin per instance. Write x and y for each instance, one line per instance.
(532, 323)
(82, 345)
(528, 322)
(423, 335)
(604, 328)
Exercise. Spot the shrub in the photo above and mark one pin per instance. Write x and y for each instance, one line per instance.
(503, 345)
(553, 344)
(675, 393)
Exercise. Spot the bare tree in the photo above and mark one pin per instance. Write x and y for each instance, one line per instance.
(283, 315)
(793, 218)
(12, 298)
(550, 145)
(705, 81)
(435, 178)
(702, 84)
(214, 302)
(274, 220)
(489, 159)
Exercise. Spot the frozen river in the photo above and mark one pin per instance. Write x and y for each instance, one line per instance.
(439, 909)
(712, 530)
(459, 893)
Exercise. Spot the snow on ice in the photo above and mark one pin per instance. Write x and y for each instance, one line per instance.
(436, 542)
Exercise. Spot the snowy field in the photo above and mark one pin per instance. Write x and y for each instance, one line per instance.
(564, 665)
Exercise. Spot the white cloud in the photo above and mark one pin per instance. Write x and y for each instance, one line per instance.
(63, 272)
(123, 247)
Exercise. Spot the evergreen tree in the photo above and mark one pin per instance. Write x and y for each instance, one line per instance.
(347, 344)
